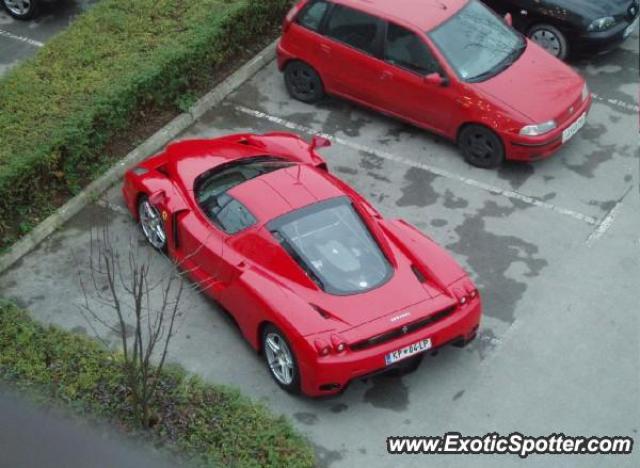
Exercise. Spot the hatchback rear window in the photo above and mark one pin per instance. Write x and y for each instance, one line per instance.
(354, 28)
(311, 15)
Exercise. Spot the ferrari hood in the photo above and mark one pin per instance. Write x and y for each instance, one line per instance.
(537, 86)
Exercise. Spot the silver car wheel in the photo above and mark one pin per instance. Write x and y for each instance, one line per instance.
(548, 41)
(18, 7)
(279, 358)
(152, 225)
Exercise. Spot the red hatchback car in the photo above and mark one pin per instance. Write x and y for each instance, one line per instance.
(450, 66)
(316, 279)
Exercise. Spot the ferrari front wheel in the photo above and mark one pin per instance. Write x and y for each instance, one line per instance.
(280, 359)
(151, 224)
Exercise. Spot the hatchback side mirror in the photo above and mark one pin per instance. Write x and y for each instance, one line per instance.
(319, 142)
(508, 19)
(435, 79)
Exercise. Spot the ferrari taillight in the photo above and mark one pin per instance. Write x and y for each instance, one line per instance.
(322, 347)
(466, 293)
(339, 344)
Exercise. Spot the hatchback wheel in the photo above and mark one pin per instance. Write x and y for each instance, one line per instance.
(303, 82)
(21, 9)
(280, 359)
(551, 39)
(481, 147)
(152, 224)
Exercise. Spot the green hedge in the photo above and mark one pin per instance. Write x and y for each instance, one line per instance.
(206, 424)
(58, 110)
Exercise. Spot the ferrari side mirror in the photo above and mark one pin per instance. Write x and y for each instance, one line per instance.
(319, 142)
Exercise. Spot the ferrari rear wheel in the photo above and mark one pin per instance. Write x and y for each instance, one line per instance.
(151, 224)
(280, 359)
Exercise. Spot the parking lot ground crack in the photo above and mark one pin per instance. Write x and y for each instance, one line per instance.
(24, 39)
(511, 194)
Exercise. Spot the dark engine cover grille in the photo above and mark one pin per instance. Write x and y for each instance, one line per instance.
(404, 330)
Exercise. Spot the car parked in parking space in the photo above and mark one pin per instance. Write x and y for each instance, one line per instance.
(453, 67)
(566, 26)
(316, 279)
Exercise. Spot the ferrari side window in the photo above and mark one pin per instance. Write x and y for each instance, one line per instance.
(231, 215)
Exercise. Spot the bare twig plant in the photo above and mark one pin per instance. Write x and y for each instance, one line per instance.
(121, 295)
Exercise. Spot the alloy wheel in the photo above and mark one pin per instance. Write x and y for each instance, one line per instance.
(18, 7)
(152, 225)
(279, 358)
(548, 41)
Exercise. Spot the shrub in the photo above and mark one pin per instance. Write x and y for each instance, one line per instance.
(58, 110)
(205, 423)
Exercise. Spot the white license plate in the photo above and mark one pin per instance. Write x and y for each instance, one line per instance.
(632, 26)
(575, 127)
(407, 351)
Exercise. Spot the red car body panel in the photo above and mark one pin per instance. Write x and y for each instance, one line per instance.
(258, 282)
(535, 89)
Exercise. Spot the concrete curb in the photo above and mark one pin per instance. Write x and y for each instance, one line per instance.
(151, 146)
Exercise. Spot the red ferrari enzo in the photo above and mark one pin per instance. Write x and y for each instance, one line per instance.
(317, 280)
(450, 66)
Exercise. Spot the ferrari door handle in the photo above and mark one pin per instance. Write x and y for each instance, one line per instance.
(386, 75)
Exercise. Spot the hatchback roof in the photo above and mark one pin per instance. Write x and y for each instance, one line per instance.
(423, 14)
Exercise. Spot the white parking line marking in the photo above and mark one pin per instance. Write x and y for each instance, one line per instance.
(606, 222)
(25, 39)
(616, 103)
(434, 170)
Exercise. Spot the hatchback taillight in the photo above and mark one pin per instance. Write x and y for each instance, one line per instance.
(291, 16)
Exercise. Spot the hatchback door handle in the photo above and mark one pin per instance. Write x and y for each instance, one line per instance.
(386, 75)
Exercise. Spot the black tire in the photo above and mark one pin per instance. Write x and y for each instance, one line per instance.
(154, 229)
(551, 39)
(294, 385)
(481, 147)
(303, 82)
(22, 9)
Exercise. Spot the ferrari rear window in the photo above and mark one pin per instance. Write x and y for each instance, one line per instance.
(331, 242)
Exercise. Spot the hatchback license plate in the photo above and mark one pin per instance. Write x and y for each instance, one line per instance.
(575, 127)
(407, 351)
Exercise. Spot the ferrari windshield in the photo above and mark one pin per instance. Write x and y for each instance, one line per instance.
(330, 241)
(478, 44)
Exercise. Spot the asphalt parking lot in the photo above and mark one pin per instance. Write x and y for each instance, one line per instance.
(20, 40)
(554, 247)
